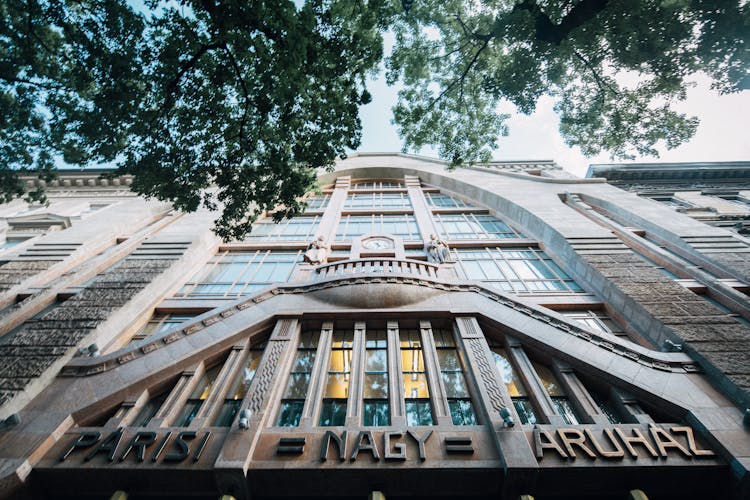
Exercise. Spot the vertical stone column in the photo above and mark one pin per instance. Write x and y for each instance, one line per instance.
(539, 397)
(332, 213)
(491, 393)
(434, 380)
(422, 212)
(215, 399)
(395, 376)
(584, 404)
(318, 378)
(356, 370)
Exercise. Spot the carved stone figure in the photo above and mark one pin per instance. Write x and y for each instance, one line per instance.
(317, 252)
(437, 250)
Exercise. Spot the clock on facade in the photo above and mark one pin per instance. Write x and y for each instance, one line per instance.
(377, 244)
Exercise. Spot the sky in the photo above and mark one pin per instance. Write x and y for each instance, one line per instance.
(723, 133)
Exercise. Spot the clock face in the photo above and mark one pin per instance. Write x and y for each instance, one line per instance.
(377, 244)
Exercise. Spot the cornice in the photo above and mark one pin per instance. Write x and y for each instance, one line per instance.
(669, 362)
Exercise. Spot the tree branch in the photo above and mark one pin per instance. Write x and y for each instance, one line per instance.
(599, 82)
(243, 86)
(460, 78)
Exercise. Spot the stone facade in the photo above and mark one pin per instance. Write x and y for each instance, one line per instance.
(576, 341)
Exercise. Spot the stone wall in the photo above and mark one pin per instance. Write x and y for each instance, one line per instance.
(41, 342)
(737, 261)
(17, 271)
(718, 341)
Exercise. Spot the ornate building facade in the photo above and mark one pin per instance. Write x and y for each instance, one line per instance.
(488, 332)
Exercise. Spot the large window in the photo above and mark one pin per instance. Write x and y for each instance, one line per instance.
(376, 410)
(459, 400)
(377, 185)
(516, 389)
(299, 380)
(333, 411)
(473, 227)
(295, 229)
(351, 226)
(235, 273)
(526, 270)
(318, 202)
(416, 390)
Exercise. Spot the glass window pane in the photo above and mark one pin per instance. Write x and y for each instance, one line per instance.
(333, 413)
(376, 413)
(550, 382)
(291, 411)
(418, 413)
(415, 386)
(412, 360)
(337, 386)
(376, 385)
(462, 412)
(455, 386)
(297, 388)
(508, 373)
(376, 360)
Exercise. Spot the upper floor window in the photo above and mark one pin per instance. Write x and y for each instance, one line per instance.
(319, 202)
(473, 226)
(161, 323)
(456, 389)
(300, 228)
(377, 185)
(416, 389)
(671, 201)
(440, 200)
(526, 270)
(351, 226)
(377, 200)
(235, 273)
(596, 320)
(240, 385)
(336, 393)
(737, 199)
(197, 397)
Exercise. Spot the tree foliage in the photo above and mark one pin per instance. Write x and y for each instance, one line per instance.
(614, 68)
(234, 104)
(224, 103)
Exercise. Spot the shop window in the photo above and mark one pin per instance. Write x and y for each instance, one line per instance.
(351, 226)
(440, 200)
(295, 229)
(376, 411)
(473, 227)
(333, 410)
(197, 397)
(237, 273)
(299, 380)
(356, 201)
(161, 323)
(559, 399)
(239, 387)
(416, 390)
(527, 270)
(516, 389)
(459, 400)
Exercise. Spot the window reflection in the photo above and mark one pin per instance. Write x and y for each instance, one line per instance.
(416, 390)
(299, 379)
(333, 411)
(376, 410)
(516, 389)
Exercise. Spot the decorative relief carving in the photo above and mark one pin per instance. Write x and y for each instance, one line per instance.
(265, 377)
(486, 371)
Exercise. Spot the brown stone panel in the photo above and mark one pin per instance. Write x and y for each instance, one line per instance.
(719, 341)
(37, 345)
